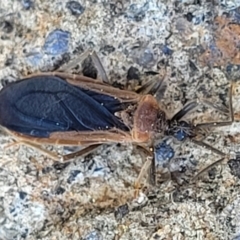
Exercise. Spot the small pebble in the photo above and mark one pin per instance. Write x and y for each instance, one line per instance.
(166, 50)
(94, 235)
(56, 42)
(34, 58)
(163, 152)
(73, 175)
(133, 73)
(234, 165)
(6, 27)
(137, 13)
(146, 58)
(60, 190)
(107, 49)
(75, 8)
(121, 211)
(189, 16)
(22, 195)
(27, 4)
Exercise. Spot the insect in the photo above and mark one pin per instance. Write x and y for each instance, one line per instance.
(67, 109)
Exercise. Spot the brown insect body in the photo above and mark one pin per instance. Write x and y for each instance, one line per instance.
(145, 118)
(110, 114)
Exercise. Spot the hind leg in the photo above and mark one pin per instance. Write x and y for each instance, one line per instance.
(215, 124)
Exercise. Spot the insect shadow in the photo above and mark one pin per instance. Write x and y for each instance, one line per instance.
(60, 108)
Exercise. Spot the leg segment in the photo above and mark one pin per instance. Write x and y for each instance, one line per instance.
(215, 124)
(148, 167)
(80, 153)
(192, 105)
(101, 71)
(155, 88)
(74, 62)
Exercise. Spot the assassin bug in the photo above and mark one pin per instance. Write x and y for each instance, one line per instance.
(67, 109)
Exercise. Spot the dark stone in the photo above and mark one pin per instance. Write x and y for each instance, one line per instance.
(189, 16)
(133, 73)
(8, 62)
(22, 195)
(107, 49)
(234, 165)
(60, 166)
(151, 73)
(46, 170)
(89, 69)
(6, 26)
(60, 190)
(137, 13)
(25, 233)
(192, 66)
(166, 50)
(73, 175)
(146, 58)
(121, 211)
(27, 4)
(75, 8)
(116, 9)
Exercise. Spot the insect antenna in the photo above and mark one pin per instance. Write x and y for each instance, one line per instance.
(212, 125)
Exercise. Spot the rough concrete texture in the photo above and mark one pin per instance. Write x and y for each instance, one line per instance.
(197, 43)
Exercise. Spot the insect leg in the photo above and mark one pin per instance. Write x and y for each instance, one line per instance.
(193, 104)
(201, 126)
(201, 143)
(222, 123)
(96, 61)
(52, 155)
(65, 158)
(148, 167)
(99, 67)
(155, 87)
(81, 152)
(74, 62)
(47, 153)
(205, 145)
(185, 110)
(201, 172)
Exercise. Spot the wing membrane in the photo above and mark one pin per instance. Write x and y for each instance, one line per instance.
(41, 105)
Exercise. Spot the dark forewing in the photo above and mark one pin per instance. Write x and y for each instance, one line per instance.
(41, 105)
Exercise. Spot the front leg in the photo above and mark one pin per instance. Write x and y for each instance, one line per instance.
(147, 168)
(96, 61)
